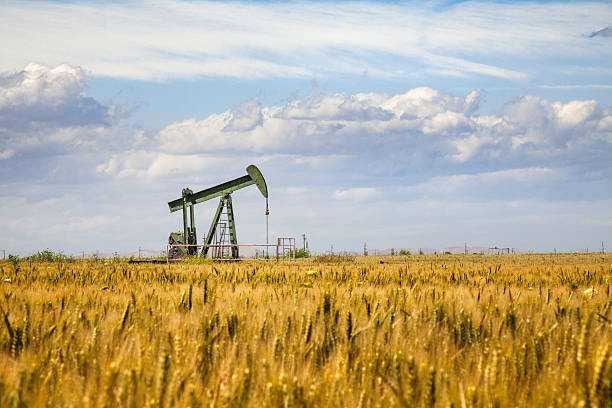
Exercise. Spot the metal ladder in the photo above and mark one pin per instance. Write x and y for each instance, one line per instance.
(222, 238)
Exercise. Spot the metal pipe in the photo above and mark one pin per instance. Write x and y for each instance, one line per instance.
(267, 216)
(185, 221)
(192, 219)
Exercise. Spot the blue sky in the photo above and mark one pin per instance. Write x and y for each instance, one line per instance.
(397, 124)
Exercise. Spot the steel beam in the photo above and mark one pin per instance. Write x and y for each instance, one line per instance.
(213, 228)
(232, 225)
(185, 234)
(217, 191)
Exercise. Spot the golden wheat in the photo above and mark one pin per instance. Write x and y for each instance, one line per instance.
(463, 331)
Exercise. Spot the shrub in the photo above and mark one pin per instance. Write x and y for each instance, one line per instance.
(302, 253)
(14, 260)
(47, 256)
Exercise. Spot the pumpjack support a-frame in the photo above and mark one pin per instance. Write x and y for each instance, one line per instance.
(226, 201)
(223, 190)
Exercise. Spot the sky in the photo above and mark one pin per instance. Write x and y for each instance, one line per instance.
(396, 124)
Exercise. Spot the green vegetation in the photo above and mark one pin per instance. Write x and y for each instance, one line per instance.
(14, 261)
(48, 256)
(422, 331)
(302, 253)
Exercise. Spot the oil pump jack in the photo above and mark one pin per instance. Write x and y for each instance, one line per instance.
(189, 199)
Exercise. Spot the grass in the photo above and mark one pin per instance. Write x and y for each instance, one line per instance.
(445, 330)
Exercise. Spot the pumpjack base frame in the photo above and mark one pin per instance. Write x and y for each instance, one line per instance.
(283, 250)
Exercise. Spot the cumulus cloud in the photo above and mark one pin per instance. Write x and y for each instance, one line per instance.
(244, 117)
(546, 127)
(325, 122)
(45, 111)
(40, 96)
(422, 124)
(419, 129)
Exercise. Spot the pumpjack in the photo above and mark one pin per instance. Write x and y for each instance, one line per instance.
(189, 199)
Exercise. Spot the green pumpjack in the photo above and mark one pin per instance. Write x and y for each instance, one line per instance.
(189, 199)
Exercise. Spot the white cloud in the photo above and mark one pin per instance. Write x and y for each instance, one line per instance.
(237, 39)
(355, 194)
(40, 97)
(574, 113)
(421, 123)
(445, 123)
(37, 83)
(417, 128)
(46, 112)
(553, 124)
(469, 146)
(323, 122)
(323, 131)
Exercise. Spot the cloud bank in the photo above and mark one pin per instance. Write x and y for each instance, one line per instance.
(46, 111)
(419, 128)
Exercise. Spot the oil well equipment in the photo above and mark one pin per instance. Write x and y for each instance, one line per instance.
(185, 243)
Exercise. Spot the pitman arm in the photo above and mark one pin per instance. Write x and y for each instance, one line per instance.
(254, 176)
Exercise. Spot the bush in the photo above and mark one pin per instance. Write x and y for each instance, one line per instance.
(47, 256)
(14, 260)
(302, 253)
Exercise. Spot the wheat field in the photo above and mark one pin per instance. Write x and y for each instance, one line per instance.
(405, 331)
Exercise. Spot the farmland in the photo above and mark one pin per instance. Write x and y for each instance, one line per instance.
(427, 330)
